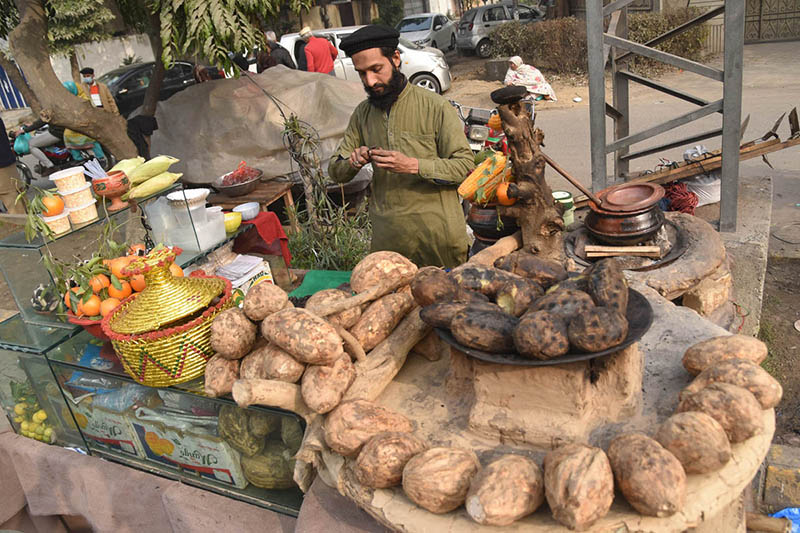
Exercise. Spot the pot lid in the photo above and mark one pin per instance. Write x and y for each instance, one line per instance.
(630, 197)
(165, 299)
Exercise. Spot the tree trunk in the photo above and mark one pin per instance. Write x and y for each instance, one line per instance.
(21, 85)
(535, 210)
(28, 43)
(157, 79)
(74, 67)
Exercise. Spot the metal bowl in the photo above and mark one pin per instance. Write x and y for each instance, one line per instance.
(239, 189)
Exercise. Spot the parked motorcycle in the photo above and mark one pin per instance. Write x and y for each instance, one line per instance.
(479, 135)
(61, 158)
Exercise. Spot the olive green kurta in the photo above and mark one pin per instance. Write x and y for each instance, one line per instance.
(417, 215)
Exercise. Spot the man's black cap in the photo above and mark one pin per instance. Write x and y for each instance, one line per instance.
(87, 70)
(372, 36)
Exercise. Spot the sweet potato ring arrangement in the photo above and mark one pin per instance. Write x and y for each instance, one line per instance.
(330, 361)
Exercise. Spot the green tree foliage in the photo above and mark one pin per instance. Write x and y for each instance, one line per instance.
(390, 12)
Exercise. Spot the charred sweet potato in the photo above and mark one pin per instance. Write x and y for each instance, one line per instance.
(432, 285)
(509, 488)
(574, 283)
(345, 319)
(486, 280)
(597, 329)
(742, 373)
(438, 479)
(545, 272)
(517, 295)
(307, 337)
(735, 408)
(541, 335)
(381, 461)
(650, 477)
(440, 315)
(717, 349)
(380, 318)
(484, 329)
(697, 440)
(566, 303)
(354, 422)
(607, 285)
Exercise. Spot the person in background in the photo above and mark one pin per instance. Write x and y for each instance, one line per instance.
(98, 92)
(418, 151)
(8, 174)
(519, 73)
(54, 135)
(275, 54)
(320, 53)
(75, 141)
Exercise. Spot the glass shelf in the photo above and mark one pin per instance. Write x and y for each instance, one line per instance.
(188, 258)
(17, 335)
(18, 240)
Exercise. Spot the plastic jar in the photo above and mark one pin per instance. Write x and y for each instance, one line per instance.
(68, 179)
(565, 199)
(77, 197)
(83, 213)
(58, 224)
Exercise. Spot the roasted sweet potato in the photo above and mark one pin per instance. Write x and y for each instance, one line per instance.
(517, 295)
(742, 373)
(381, 461)
(541, 335)
(322, 387)
(440, 315)
(306, 337)
(579, 485)
(735, 408)
(607, 285)
(597, 329)
(232, 334)
(573, 283)
(545, 272)
(353, 423)
(484, 329)
(717, 349)
(220, 375)
(509, 488)
(380, 318)
(697, 440)
(438, 479)
(271, 362)
(566, 303)
(263, 300)
(382, 268)
(345, 319)
(273, 468)
(432, 285)
(468, 296)
(485, 280)
(650, 477)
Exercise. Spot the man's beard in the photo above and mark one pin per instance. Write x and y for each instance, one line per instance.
(391, 90)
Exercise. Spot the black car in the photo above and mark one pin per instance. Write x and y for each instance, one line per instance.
(129, 83)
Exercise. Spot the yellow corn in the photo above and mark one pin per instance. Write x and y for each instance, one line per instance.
(482, 182)
(127, 165)
(154, 167)
(154, 185)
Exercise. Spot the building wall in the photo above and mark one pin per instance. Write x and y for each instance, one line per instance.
(105, 55)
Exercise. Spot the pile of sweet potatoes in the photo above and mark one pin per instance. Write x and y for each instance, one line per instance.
(527, 305)
(269, 343)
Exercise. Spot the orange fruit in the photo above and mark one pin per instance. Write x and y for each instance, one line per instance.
(119, 263)
(502, 195)
(108, 305)
(90, 307)
(66, 297)
(126, 291)
(137, 283)
(176, 270)
(54, 205)
(99, 282)
(136, 249)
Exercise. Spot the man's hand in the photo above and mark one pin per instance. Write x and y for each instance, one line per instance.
(394, 161)
(359, 157)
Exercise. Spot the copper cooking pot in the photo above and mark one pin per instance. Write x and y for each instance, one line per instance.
(629, 214)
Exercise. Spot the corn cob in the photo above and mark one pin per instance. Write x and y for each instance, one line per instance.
(128, 165)
(153, 167)
(481, 183)
(153, 185)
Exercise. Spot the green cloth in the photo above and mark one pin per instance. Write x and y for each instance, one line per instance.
(417, 215)
(317, 280)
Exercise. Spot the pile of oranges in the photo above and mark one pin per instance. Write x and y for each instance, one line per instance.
(109, 288)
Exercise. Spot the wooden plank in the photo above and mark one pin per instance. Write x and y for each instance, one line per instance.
(687, 170)
(593, 250)
(767, 524)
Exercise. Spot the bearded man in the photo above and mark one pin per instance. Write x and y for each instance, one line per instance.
(418, 151)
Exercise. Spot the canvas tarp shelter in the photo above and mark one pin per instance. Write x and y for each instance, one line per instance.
(212, 126)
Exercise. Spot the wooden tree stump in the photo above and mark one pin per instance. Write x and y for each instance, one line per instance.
(536, 211)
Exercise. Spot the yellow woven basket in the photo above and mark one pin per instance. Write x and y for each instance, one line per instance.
(176, 353)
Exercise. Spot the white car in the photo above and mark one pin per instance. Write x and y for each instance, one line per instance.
(429, 29)
(423, 66)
